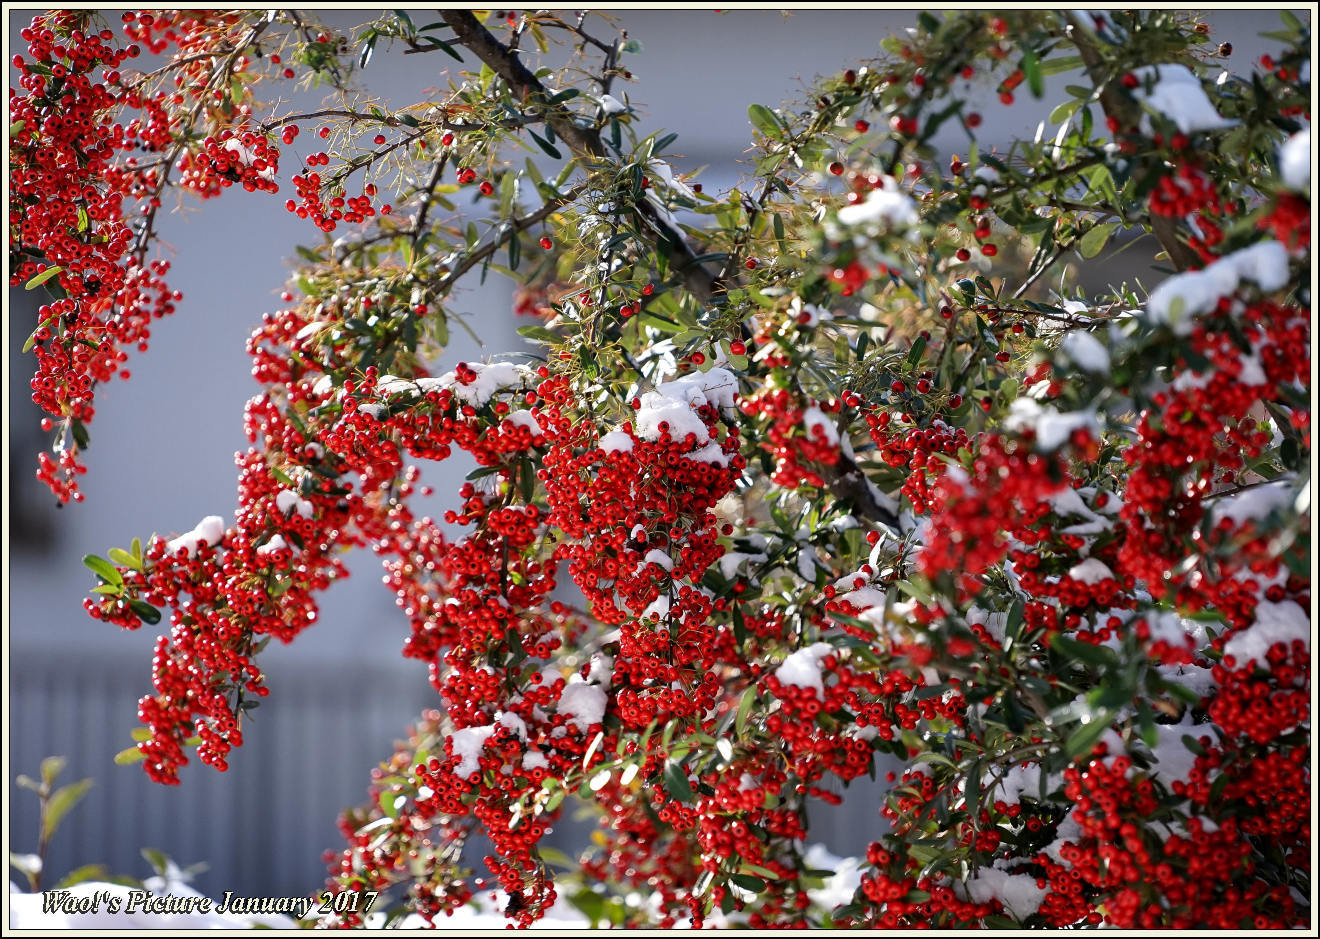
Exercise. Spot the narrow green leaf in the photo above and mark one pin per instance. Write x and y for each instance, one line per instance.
(676, 781)
(764, 120)
(44, 276)
(1081, 740)
(145, 611)
(748, 882)
(550, 149)
(61, 802)
(103, 569)
(745, 709)
(125, 559)
(1093, 242)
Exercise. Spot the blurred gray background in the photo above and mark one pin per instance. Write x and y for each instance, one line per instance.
(162, 457)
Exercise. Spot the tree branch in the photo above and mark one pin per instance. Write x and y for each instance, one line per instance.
(1128, 115)
(585, 143)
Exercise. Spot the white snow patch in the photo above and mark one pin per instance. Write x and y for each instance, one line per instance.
(276, 543)
(802, 668)
(674, 403)
(661, 172)
(491, 379)
(839, 888)
(1017, 892)
(1090, 571)
(1052, 428)
(583, 704)
(601, 670)
(1196, 293)
(514, 723)
(1200, 681)
(467, 745)
(208, 532)
(616, 441)
(1254, 504)
(286, 500)
(1069, 830)
(888, 206)
(1178, 95)
(534, 759)
(1086, 351)
(525, 419)
(730, 561)
(864, 598)
(659, 559)
(659, 606)
(1017, 782)
(1173, 761)
(819, 425)
(1275, 622)
(1295, 160)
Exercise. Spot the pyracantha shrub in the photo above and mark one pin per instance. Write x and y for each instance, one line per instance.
(838, 470)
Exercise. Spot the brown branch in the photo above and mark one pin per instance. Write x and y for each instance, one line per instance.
(1127, 114)
(585, 143)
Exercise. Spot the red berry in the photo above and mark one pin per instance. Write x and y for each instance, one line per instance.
(546, 243)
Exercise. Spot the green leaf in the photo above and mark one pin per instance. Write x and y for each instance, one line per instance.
(145, 611)
(103, 569)
(1085, 652)
(676, 781)
(1093, 241)
(44, 276)
(748, 882)
(764, 120)
(539, 333)
(61, 801)
(1064, 111)
(1081, 740)
(914, 354)
(368, 47)
(550, 149)
(124, 559)
(83, 874)
(1063, 63)
(84, 221)
(16, 128)
(745, 709)
(158, 860)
